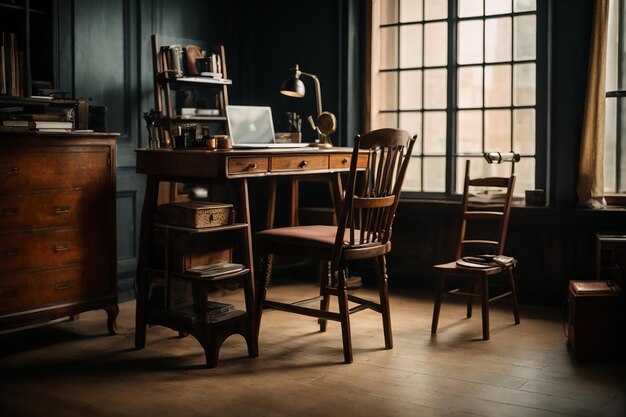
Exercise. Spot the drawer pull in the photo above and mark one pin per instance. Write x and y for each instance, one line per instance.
(61, 209)
(62, 247)
(12, 171)
(303, 164)
(62, 285)
(11, 252)
(253, 165)
(10, 211)
(344, 161)
(11, 292)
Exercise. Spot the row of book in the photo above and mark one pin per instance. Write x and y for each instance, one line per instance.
(11, 66)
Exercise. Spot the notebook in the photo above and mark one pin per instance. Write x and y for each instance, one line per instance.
(252, 127)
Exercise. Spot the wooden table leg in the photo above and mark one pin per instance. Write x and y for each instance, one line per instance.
(294, 212)
(271, 204)
(147, 213)
(336, 194)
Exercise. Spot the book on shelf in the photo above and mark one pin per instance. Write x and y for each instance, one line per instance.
(214, 270)
(38, 124)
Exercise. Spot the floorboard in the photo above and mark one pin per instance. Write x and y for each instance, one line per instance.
(74, 368)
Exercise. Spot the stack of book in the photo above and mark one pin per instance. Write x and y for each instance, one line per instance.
(37, 125)
(214, 270)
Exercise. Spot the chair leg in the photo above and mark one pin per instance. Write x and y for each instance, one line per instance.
(263, 282)
(438, 299)
(473, 288)
(383, 292)
(325, 280)
(344, 314)
(513, 295)
(484, 283)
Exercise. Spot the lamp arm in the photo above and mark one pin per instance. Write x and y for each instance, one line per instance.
(318, 91)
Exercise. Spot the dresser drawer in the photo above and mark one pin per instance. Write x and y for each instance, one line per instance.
(25, 171)
(340, 161)
(41, 249)
(247, 165)
(51, 209)
(28, 291)
(301, 163)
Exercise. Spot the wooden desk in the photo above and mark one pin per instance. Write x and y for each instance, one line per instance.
(225, 166)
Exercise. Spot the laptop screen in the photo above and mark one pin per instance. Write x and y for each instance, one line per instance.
(250, 125)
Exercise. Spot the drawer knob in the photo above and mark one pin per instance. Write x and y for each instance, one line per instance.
(10, 211)
(61, 209)
(344, 161)
(253, 165)
(12, 171)
(303, 164)
(11, 292)
(11, 252)
(62, 285)
(62, 247)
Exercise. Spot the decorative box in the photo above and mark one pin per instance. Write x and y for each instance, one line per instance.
(195, 214)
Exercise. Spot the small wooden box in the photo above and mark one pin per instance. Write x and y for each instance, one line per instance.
(196, 215)
(596, 319)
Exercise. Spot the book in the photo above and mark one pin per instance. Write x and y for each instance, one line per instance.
(213, 270)
(487, 261)
(37, 124)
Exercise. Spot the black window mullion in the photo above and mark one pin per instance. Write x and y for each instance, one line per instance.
(451, 100)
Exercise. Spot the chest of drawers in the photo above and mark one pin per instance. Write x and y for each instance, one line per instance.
(57, 227)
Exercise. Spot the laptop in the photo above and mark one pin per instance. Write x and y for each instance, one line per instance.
(252, 127)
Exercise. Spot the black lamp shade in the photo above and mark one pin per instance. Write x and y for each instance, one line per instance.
(293, 87)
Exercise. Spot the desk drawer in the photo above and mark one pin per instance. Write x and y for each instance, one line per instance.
(299, 163)
(33, 211)
(34, 290)
(41, 249)
(247, 165)
(340, 161)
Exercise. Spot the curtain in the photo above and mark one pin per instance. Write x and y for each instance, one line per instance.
(591, 166)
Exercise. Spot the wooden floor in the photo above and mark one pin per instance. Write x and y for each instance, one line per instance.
(76, 369)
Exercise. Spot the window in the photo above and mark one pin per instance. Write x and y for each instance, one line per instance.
(462, 74)
(615, 126)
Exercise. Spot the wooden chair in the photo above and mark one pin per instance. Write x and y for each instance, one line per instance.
(492, 218)
(363, 232)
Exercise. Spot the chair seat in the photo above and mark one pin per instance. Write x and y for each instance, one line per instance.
(452, 267)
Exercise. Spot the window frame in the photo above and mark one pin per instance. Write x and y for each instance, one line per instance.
(542, 86)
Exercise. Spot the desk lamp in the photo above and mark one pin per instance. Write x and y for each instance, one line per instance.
(500, 157)
(326, 122)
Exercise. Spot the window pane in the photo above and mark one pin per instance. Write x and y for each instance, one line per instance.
(411, 46)
(497, 85)
(411, 10)
(612, 46)
(410, 90)
(470, 87)
(388, 90)
(413, 176)
(524, 131)
(387, 120)
(388, 49)
(610, 145)
(497, 130)
(435, 96)
(524, 85)
(435, 132)
(524, 5)
(436, 9)
(524, 176)
(470, 8)
(436, 44)
(497, 6)
(469, 131)
(498, 39)
(525, 37)
(435, 174)
(470, 41)
(388, 11)
(412, 123)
